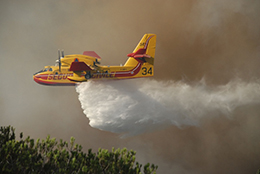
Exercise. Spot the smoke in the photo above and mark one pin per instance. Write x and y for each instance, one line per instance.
(218, 40)
(135, 106)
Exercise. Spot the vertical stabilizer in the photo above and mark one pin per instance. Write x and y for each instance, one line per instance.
(145, 51)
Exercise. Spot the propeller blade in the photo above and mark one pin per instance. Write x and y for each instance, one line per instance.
(59, 60)
(62, 53)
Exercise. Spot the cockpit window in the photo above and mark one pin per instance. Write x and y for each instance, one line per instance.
(44, 70)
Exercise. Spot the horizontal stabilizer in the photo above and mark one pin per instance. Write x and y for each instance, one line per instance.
(92, 54)
(79, 66)
(139, 54)
(142, 55)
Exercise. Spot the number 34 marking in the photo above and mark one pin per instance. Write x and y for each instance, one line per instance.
(145, 71)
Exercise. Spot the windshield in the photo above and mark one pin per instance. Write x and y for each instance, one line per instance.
(44, 70)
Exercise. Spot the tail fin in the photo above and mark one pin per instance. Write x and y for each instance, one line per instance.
(148, 42)
(143, 53)
(145, 49)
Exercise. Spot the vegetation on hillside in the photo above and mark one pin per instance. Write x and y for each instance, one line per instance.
(52, 156)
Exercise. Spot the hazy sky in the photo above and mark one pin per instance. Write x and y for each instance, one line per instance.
(217, 40)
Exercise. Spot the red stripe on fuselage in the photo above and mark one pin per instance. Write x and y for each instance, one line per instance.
(43, 82)
(130, 73)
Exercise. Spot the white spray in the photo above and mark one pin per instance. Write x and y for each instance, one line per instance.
(138, 105)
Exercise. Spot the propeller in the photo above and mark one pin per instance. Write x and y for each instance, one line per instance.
(59, 60)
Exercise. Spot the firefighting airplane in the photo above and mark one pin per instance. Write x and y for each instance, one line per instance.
(72, 69)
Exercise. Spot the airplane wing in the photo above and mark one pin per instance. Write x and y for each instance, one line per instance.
(79, 66)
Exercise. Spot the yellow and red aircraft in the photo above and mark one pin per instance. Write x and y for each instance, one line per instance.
(71, 69)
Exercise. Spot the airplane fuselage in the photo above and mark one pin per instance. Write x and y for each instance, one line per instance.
(72, 69)
(52, 76)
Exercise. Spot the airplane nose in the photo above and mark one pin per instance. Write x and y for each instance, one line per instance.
(37, 76)
(40, 76)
